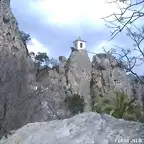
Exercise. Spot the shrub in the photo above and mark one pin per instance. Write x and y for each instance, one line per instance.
(102, 55)
(119, 106)
(25, 37)
(100, 67)
(75, 104)
(120, 64)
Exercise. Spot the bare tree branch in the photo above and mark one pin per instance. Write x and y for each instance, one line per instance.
(122, 20)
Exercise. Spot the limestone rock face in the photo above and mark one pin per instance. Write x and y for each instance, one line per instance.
(69, 77)
(103, 61)
(11, 43)
(85, 128)
(62, 64)
(78, 75)
(108, 76)
(16, 70)
(55, 87)
(138, 91)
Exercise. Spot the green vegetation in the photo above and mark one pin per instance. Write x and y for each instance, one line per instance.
(120, 64)
(25, 37)
(119, 105)
(75, 104)
(102, 55)
(42, 60)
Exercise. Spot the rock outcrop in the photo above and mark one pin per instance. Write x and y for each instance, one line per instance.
(69, 77)
(108, 75)
(78, 73)
(85, 128)
(16, 69)
(27, 96)
(138, 91)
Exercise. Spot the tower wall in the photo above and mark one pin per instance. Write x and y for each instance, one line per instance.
(80, 45)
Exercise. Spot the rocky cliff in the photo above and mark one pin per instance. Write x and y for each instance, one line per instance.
(108, 75)
(78, 75)
(70, 77)
(27, 96)
(15, 71)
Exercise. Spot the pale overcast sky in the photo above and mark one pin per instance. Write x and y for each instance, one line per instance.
(55, 24)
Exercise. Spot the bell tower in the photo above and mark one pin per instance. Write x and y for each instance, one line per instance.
(80, 44)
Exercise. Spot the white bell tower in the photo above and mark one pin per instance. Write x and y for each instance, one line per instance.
(80, 44)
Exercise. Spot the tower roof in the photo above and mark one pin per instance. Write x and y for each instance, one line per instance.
(79, 39)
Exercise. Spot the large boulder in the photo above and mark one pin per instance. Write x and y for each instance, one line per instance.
(85, 128)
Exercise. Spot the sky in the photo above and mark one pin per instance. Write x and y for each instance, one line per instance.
(55, 24)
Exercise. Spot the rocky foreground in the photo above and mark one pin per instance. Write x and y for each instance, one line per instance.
(85, 128)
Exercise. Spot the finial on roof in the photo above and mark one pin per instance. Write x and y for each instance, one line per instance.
(79, 38)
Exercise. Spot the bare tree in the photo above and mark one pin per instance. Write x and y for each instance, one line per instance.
(128, 14)
(126, 19)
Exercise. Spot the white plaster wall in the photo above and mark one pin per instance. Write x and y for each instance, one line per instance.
(78, 45)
